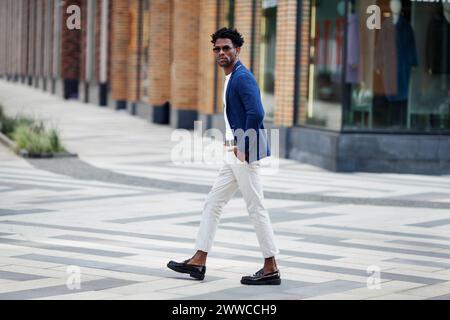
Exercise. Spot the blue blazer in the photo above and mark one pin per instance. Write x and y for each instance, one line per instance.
(245, 114)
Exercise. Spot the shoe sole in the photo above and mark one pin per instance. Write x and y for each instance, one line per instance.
(194, 275)
(273, 282)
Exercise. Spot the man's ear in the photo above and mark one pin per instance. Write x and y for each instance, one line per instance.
(238, 50)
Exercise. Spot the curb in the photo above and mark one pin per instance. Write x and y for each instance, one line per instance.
(25, 154)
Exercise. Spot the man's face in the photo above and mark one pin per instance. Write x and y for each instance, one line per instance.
(225, 52)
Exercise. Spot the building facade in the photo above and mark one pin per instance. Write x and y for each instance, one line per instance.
(352, 85)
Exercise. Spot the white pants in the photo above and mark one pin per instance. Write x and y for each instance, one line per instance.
(246, 177)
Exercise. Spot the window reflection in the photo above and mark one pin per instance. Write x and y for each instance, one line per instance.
(326, 60)
(267, 58)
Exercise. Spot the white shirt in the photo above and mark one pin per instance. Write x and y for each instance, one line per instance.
(228, 133)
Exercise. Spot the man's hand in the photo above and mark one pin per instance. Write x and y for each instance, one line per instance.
(240, 155)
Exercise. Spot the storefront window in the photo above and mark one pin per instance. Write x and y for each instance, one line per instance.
(267, 57)
(398, 77)
(325, 90)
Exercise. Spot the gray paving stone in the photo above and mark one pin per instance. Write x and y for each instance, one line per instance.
(9, 275)
(442, 297)
(57, 247)
(432, 224)
(434, 264)
(3, 234)
(279, 215)
(15, 212)
(157, 217)
(67, 261)
(151, 247)
(93, 198)
(299, 235)
(390, 233)
(378, 248)
(94, 285)
(100, 231)
(160, 272)
(421, 244)
(423, 196)
(295, 253)
(360, 272)
(244, 291)
(77, 185)
(318, 289)
(30, 186)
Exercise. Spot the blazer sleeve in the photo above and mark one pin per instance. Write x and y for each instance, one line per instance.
(250, 96)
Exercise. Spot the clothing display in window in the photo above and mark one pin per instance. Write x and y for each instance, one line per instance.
(438, 45)
(395, 55)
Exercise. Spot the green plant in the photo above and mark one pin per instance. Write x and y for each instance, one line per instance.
(30, 134)
(8, 124)
(30, 140)
(55, 141)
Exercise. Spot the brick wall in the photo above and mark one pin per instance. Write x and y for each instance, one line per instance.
(206, 61)
(243, 23)
(120, 32)
(84, 35)
(133, 51)
(160, 51)
(304, 61)
(70, 45)
(224, 12)
(285, 62)
(185, 49)
(98, 21)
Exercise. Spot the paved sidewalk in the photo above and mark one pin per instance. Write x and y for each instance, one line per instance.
(122, 210)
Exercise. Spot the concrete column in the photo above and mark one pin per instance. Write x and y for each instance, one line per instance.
(103, 43)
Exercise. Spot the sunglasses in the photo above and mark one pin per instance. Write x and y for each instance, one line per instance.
(224, 48)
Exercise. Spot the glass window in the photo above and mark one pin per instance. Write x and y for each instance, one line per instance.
(325, 90)
(429, 99)
(398, 77)
(229, 9)
(267, 56)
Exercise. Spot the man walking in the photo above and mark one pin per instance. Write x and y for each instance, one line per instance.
(245, 143)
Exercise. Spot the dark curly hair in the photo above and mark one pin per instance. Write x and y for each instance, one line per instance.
(228, 33)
